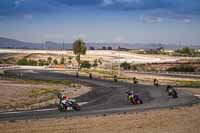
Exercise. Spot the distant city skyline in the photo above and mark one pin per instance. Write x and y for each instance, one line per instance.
(117, 21)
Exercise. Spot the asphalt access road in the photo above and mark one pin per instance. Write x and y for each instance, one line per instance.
(105, 97)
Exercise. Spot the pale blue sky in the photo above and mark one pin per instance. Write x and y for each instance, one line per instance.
(131, 21)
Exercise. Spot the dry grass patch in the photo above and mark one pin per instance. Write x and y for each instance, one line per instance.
(32, 94)
(42, 91)
(179, 120)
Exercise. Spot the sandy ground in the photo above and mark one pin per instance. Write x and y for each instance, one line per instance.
(19, 95)
(91, 55)
(179, 120)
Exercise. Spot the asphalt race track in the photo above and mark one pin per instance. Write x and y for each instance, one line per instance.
(106, 97)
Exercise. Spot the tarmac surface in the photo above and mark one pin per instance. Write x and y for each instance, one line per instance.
(106, 97)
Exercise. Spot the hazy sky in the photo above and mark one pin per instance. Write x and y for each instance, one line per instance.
(137, 21)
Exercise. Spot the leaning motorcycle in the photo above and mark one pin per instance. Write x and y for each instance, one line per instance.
(135, 99)
(69, 105)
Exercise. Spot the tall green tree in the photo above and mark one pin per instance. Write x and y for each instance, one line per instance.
(79, 48)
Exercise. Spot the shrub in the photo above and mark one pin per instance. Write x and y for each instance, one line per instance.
(95, 64)
(32, 62)
(100, 61)
(62, 61)
(182, 68)
(1, 62)
(70, 59)
(103, 48)
(109, 48)
(187, 52)
(92, 48)
(55, 62)
(23, 61)
(49, 60)
(125, 66)
(85, 64)
(133, 67)
(42, 62)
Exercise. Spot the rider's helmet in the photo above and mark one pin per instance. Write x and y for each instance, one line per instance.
(127, 91)
(64, 97)
(132, 92)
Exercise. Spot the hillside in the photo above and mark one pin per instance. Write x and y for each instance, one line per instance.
(13, 43)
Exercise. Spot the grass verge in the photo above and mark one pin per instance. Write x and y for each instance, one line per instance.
(43, 91)
(35, 81)
(189, 83)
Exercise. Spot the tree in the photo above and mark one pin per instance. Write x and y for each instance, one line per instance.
(62, 61)
(103, 48)
(49, 60)
(92, 48)
(109, 48)
(70, 59)
(55, 62)
(79, 48)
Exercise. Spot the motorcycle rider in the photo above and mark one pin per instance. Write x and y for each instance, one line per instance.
(90, 75)
(155, 82)
(115, 78)
(64, 100)
(133, 97)
(66, 103)
(168, 87)
(171, 91)
(130, 94)
(135, 81)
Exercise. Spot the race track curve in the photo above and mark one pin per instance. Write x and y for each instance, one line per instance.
(105, 97)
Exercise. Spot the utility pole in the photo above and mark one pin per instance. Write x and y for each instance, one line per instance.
(63, 46)
(119, 61)
(112, 63)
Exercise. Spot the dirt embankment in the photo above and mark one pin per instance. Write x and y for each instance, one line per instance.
(179, 120)
(23, 95)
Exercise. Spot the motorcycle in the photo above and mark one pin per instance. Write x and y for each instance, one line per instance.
(134, 99)
(69, 104)
(172, 92)
(135, 81)
(155, 83)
